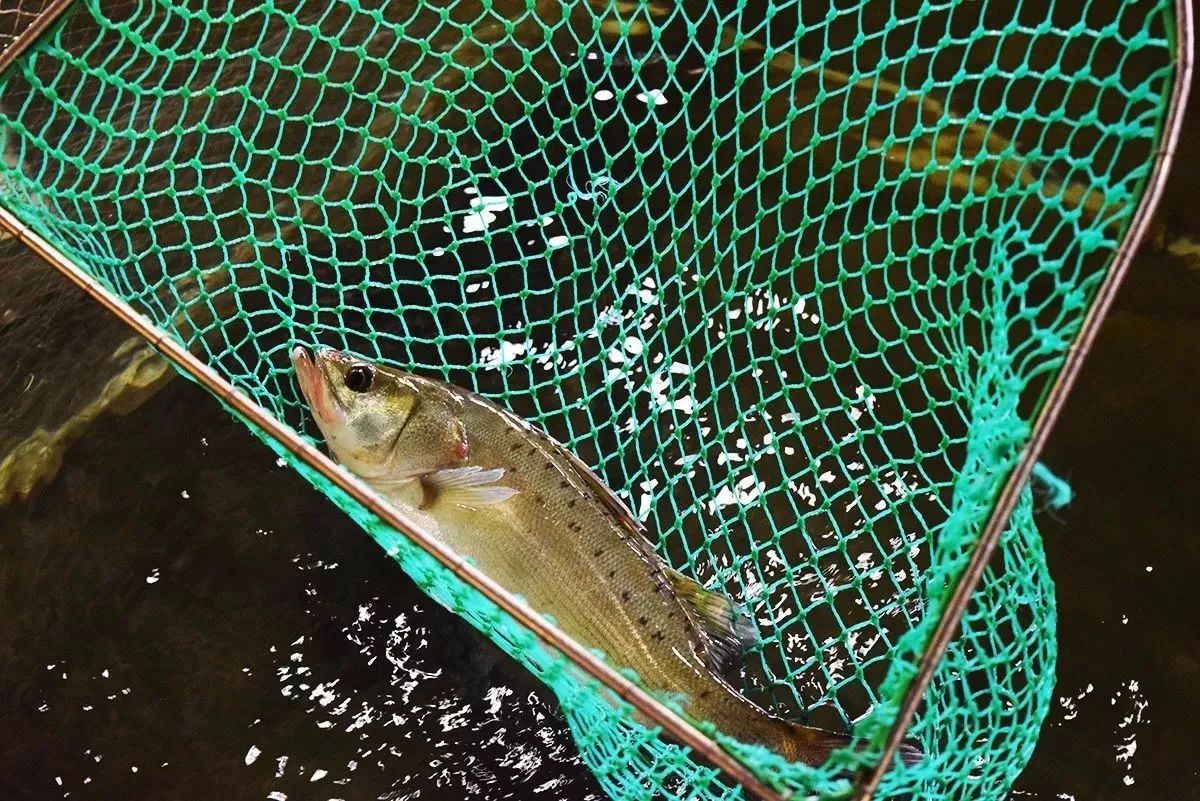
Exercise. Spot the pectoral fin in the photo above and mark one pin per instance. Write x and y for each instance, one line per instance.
(729, 629)
(471, 486)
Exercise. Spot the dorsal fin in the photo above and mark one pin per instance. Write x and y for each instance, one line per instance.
(589, 478)
(609, 498)
(728, 628)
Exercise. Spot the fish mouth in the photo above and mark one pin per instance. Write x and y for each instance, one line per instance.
(326, 408)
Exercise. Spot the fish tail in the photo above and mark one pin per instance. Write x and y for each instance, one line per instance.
(813, 746)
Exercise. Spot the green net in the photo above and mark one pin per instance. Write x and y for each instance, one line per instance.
(792, 277)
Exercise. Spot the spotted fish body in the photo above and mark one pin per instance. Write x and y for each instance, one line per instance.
(535, 519)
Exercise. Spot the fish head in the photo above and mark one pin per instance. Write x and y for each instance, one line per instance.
(378, 421)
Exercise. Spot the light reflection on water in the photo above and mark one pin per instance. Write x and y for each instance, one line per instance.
(215, 629)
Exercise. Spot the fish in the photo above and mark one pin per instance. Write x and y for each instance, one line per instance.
(533, 517)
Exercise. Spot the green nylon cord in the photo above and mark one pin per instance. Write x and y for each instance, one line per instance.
(1058, 491)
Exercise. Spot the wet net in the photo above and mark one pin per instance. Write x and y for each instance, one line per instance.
(792, 277)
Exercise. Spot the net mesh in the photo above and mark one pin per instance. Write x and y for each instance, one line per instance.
(792, 277)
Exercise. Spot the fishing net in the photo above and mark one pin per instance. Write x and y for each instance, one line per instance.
(792, 277)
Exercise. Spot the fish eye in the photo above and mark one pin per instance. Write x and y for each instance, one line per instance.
(359, 378)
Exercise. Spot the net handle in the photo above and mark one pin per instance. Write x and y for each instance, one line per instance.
(948, 623)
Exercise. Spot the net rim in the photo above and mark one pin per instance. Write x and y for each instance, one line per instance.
(1054, 399)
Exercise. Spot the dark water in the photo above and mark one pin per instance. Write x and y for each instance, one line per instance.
(183, 618)
(1125, 555)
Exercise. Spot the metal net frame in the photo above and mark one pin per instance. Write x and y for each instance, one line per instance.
(800, 282)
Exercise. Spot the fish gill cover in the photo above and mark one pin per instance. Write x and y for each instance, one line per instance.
(791, 277)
